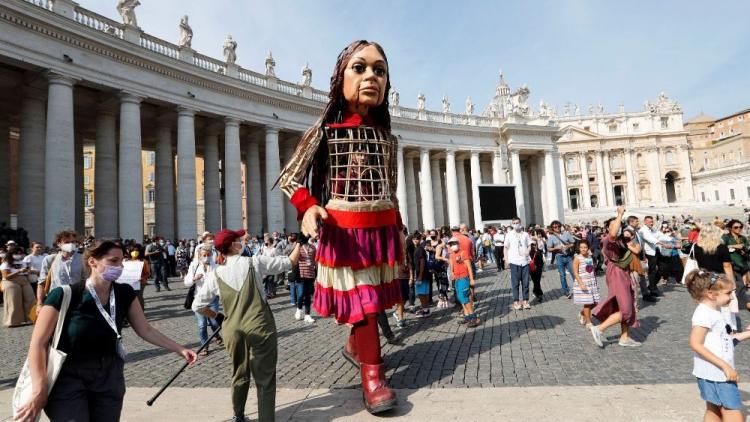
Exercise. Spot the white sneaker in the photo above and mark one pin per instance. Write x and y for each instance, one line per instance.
(309, 319)
(298, 314)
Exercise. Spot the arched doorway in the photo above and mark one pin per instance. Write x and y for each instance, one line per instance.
(669, 180)
(619, 198)
(594, 201)
(573, 194)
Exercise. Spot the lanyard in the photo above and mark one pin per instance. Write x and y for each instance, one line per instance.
(107, 317)
(110, 318)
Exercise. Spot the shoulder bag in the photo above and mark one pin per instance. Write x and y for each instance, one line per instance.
(690, 264)
(55, 360)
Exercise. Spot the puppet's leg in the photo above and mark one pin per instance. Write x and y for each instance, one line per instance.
(377, 395)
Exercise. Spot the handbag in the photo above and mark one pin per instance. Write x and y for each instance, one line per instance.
(190, 297)
(690, 265)
(55, 360)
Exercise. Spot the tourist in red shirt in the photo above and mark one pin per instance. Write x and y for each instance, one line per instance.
(464, 279)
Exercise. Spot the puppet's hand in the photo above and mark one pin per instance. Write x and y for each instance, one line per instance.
(310, 220)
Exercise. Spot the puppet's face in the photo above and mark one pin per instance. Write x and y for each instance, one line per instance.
(365, 79)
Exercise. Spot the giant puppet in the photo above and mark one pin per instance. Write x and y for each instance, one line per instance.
(342, 181)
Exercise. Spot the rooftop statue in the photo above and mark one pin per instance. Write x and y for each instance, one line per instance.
(420, 102)
(394, 97)
(230, 50)
(306, 76)
(126, 8)
(469, 107)
(446, 105)
(186, 33)
(270, 65)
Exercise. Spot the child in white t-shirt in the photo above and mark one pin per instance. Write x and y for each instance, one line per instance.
(713, 344)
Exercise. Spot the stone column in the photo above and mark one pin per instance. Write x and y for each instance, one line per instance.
(498, 172)
(451, 189)
(165, 187)
(654, 170)
(515, 165)
(463, 196)
(687, 191)
(425, 180)
(476, 180)
(290, 213)
(608, 179)
(564, 194)
(105, 176)
(253, 185)
(554, 197)
(130, 171)
(401, 187)
(586, 190)
(79, 200)
(211, 182)
(4, 169)
(59, 158)
(600, 180)
(411, 189)
(232, 176)
(630, 174)
(31, 202)
(274, 201)
(187, 207)
(437, 190)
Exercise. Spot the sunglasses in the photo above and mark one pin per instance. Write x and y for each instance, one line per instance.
(736, 227)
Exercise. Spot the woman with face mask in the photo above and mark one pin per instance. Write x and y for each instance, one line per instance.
(91, 384)
(196, 275)
(135, 253)
(62, 268)
(17, 293)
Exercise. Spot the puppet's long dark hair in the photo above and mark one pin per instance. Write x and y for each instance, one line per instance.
(316, 178)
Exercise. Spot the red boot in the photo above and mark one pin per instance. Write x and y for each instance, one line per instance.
(350, 351)
(377, 395)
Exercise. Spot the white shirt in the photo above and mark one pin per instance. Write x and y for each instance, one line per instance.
(717, 341)
(196, 267)
(498, 238)
(234, 273)
(34, 261)
(517, 247)
(649, 240)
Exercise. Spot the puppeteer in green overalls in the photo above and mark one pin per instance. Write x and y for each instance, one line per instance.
(248, 329)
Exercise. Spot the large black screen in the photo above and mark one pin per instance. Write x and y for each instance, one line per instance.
(497, 202)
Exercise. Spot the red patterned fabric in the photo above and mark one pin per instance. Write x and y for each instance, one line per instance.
(351, 306)
(352, 120)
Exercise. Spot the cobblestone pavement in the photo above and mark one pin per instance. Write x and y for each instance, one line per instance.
(544, 346)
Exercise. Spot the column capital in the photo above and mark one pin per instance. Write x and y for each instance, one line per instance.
(475, 154)
(424, 150)
(450, 152)
(129, 97)
(272, 130)
(231, 121)
(59, 78)
(183, 111)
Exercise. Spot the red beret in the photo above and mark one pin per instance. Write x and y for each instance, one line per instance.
(223, 239)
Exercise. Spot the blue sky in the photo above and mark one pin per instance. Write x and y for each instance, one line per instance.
(584, 52)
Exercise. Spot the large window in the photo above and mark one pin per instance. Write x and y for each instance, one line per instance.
(150, 196)
(669, 157)
(665, 122)
(716, 195)
(150, 158)
(87, 162)
(572, 164)
(703, 194)
(88, 200)
(731, 194)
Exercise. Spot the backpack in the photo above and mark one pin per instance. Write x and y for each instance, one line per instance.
(487, 243)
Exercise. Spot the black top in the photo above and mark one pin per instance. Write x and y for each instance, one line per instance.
(420, 254)
(86, 334)
(714, 262)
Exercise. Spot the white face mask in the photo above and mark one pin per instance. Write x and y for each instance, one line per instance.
(454, 248)
(204, 260)
(17, 257)
(68, 247)
(517, 227)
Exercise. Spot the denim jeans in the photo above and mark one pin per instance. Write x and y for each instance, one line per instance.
(563, 263)
(159, 270)
(204, 321)
(304, 289)
(519, 274)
